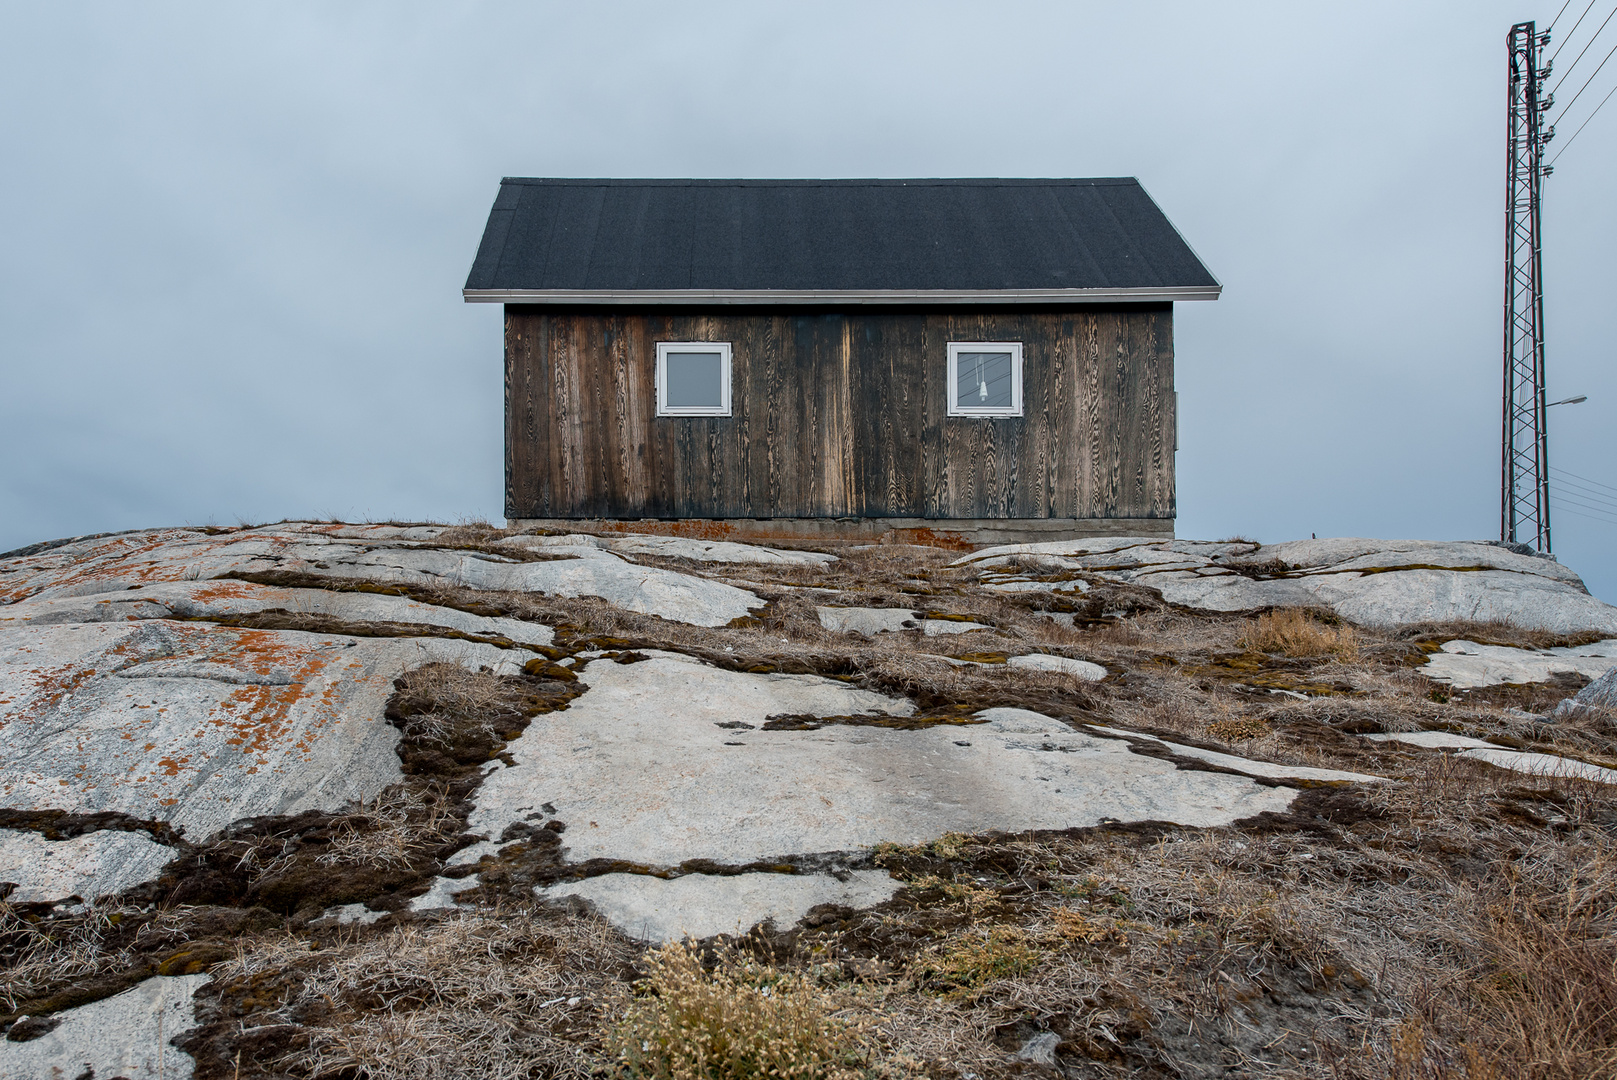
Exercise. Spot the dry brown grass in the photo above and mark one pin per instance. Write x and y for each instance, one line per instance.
(1302, 633)
(1547, 989)
(1494, 632)
(35, 956)
(495, 994)
(392, 829)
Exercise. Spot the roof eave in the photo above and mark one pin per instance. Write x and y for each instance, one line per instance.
(840, 296)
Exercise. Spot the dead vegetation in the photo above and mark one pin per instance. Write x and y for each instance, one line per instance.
(734, 1017)
(502, 994)
(1300, 632)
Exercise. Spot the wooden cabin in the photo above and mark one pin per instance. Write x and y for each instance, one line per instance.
(839, 358)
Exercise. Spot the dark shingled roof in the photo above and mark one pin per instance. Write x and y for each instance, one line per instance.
(804, 240)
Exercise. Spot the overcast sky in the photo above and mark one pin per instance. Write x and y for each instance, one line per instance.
(232, 239)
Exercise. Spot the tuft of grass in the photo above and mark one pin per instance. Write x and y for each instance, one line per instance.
(741, 1020)
(1301, 633)
(390, 830)
(38, 956)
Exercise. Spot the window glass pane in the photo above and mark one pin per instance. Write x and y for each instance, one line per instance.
(983, 380)
(695, 380)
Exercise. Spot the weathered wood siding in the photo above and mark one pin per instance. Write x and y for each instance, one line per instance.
(840, 414)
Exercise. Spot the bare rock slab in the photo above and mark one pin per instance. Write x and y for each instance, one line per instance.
(1522, 761)
(88, 866)
(1466, 664)
(222, 599)
(363, 553)
(201, 725)
(702, 905)
(1533, 764)
(1600, 694)
(129, 1035)
(667, 760)
(1371, 582)
(1082, 669)
(1272, 769)
(873, 621)
(867, 621)
(943, 627)
(1434, 740)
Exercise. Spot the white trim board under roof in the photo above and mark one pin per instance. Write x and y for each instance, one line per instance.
(836, 296)
(948, 241)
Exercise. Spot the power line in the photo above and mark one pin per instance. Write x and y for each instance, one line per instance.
(1585, 493)
(1596, 503)
(1588, 511)
(1583, 125)
(1593, 500)
(1585, 479)
(1603, 490)
(1569, 497)
(1574, 63)
(1585, 86)
(1570, 32)
(1590, 517)
(1562, 495)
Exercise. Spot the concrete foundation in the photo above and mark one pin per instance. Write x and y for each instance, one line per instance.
(958, 533)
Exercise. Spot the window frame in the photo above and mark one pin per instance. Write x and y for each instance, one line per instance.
(726, 355)
(952, 379)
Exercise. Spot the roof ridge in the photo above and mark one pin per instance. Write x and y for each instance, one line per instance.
(944, 181)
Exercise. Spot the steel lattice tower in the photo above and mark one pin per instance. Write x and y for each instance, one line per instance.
(1524, 493)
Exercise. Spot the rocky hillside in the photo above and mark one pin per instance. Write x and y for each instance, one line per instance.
(376, 801)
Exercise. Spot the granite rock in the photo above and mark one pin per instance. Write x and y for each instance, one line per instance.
(1370, 582)
(201, 725)
(89, 866)
(1466, 664)
(129, 1035)
(698, 906)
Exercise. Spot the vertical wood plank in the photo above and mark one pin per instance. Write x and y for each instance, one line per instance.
(1164, 501)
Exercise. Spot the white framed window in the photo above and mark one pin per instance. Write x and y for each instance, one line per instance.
(985, 378)
(693, 378)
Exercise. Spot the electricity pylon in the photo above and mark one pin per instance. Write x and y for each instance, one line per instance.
(1524, 491)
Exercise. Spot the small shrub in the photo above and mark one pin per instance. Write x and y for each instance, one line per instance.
(743, 1019)
(972, 961)
(1238, 729)
(1300, 633)
(1073, 925)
